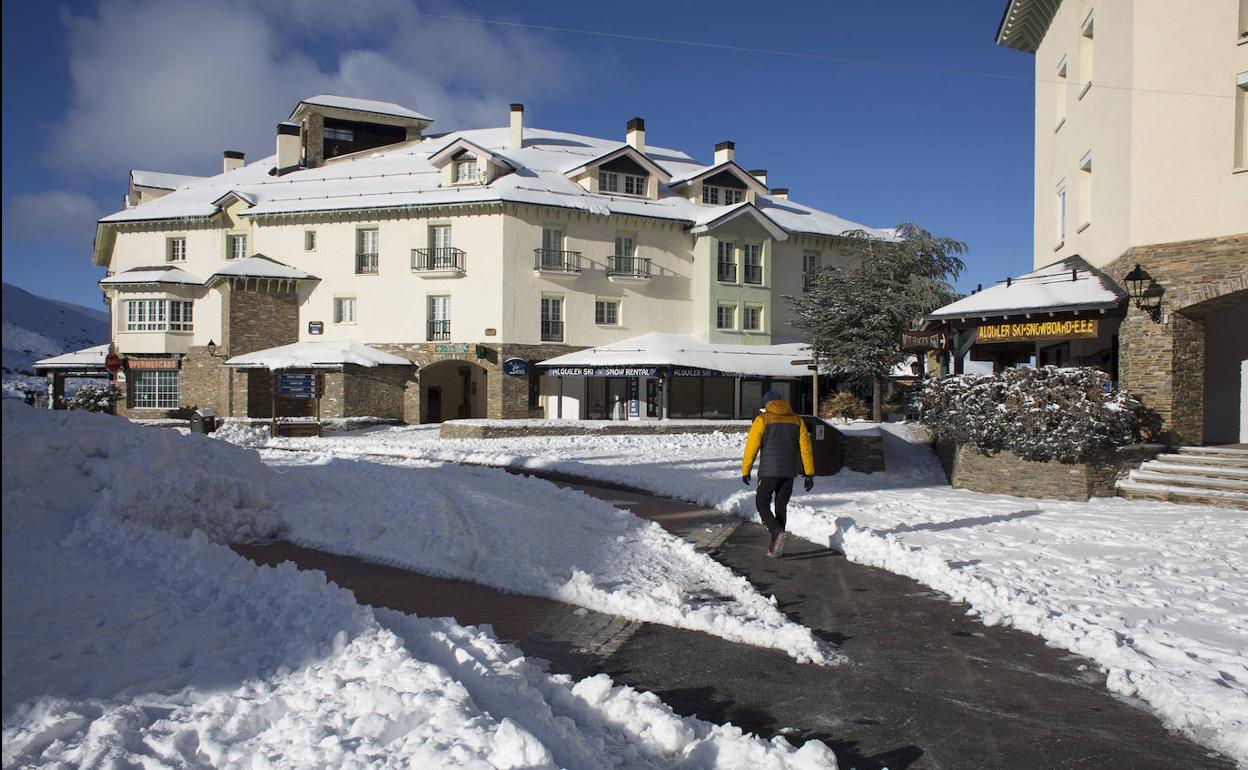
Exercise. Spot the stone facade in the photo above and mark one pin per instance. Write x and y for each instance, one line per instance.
(257, 314)
(1163, 362)
(1004, 473)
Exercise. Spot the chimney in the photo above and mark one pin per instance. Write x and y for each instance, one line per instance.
(233, 160)
(636, 135)
(287, 147)
(760, 174)
(724, 152)
(517, 127)
(781, 193)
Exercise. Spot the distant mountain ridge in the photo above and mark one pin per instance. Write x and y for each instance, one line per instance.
(37, 327)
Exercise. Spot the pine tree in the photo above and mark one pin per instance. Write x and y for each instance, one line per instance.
(855, 311)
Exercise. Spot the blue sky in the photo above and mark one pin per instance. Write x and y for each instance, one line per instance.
(93, 89)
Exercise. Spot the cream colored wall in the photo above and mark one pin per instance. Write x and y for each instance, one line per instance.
(1162, 159)
(786, 278)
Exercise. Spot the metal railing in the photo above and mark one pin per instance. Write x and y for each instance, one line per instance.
(447, 258)
(366, 262)
(552, 331)
(754, 274)
(727, 272)
(439, 330)
(630, 267)
(555, 260)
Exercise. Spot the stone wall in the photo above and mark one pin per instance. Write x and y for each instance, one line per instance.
(1163, 362)
(863, 451)
(1006, 474)
(257, 314)
(375, 392)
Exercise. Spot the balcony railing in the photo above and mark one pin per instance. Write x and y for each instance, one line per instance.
(754, 274)
(556, 261)
(440, 260)
(727, 272)
(439, 330)
(366, 262)
(552, 331)
(628, 267)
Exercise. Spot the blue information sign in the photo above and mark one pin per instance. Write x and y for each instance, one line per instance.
(516, 367)
(299, 385)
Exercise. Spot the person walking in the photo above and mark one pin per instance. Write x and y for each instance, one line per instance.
(785, 443)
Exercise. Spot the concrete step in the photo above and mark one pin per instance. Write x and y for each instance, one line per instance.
(1213, 460)
(1188, 469)
(1214, 451)
(1137, 490)
(1185, 480)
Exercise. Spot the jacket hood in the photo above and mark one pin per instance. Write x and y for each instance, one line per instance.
(779, 406)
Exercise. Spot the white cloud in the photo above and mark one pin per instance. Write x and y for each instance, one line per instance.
(50, 215)
(167, 84)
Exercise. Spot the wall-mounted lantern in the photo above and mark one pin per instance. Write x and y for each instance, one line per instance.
(1144, 292)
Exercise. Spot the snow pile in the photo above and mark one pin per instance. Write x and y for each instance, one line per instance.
(127, 645)
(246, 433)
(1156, 593)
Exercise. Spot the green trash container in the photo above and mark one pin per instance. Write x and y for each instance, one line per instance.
(825, 440)
(203, 421)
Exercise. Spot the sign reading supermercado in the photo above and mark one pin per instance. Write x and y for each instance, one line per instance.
(1033, 331)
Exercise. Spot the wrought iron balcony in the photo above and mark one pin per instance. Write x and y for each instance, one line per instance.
(628, 267)
(557, 261)
(366, 263)
(439, 330)
(552, 331)
(446, 259)
(727, 272)
(754, 275)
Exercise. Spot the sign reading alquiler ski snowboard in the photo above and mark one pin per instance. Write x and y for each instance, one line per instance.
(1030, 331)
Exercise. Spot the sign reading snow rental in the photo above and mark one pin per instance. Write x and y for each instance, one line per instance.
(601, 371)
(1038, 331)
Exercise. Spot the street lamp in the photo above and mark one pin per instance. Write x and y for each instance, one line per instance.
(1144, 291)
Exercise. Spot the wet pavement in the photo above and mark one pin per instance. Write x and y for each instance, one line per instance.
(926, 686)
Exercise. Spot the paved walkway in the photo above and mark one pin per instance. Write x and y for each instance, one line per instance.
(925, 685)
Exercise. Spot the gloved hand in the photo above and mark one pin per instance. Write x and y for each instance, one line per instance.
(745, 479)
(808, 483)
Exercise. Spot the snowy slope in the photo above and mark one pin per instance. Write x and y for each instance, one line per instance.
(36, 327)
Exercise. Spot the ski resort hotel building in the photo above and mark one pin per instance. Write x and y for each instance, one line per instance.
(501, 272)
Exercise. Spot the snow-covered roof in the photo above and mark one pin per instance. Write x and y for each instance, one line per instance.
(714, 217)
(161, 180)
(87, 358)
(728, 166)
(327, 354)
(260, 266)
(402, 176)
(686, 350)
(618, 152)
(1068, 285)
(362, 105)
(155, 274)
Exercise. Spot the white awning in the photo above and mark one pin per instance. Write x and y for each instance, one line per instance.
(86, 359)
(683, 351)
(329, 354)
(1069, 285)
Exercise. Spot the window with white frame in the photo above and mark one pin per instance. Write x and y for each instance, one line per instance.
(466, 168)
(726, 196)
(552, 319)
(616, 182)
(440, 238)
(552, 240)
(1085, 190)
(710, 194)
(752, 262)
(236, 246)
(726, 261)
(153, 389)
(1085, 55)
(158, 315)
(752, 318)
(1060, 211)
(625, 245)
(439, 317)
(176, 249)
(180, 316)
(725, 316)
(733, 195)
(367, 246)
(309, 240)
(344, 310)
(607, 312)
(811, 261)
(1060, 98)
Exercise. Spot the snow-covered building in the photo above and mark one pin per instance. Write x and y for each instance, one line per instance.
(456, 252)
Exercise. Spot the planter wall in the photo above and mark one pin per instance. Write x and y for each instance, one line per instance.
(1006, 474)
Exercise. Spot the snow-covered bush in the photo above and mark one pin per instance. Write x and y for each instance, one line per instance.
(1049, 413)
(845, 405)
(95, 398)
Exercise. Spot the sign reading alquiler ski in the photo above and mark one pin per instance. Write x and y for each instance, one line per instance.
(1037, 331)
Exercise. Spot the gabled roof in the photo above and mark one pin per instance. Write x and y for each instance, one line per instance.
(624, 150)
(260, 266)
(1068, 285)
(235, 195)
(729, 166)
(327, 354)
(722, 216)
(444, 155)
(155, 274)
(358, 105)
(160, 180)
(1024, 23)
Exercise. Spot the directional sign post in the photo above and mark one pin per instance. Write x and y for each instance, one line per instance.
(297, 385)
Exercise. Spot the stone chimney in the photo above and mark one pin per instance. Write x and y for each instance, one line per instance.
(636, 134)
(781, 193)
(287, 147)
(233, 160)
(516, 139)
(724, 152)
(760, 174)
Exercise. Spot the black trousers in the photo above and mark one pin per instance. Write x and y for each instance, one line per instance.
(782, 490)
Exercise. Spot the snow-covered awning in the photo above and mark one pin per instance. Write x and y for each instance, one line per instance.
(260, 266)
(87, 359)
(1069, 285)
(160, 274)
(681, 351)
(328, 354)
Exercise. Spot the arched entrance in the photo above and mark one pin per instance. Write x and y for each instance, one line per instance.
(452, 390)
(1225, 321)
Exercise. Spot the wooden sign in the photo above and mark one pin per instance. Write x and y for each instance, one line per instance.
(917, 342)
(1038, 331)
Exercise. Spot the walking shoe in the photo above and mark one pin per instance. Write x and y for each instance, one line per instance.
(777, 546)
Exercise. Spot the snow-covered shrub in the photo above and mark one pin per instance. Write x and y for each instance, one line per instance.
(94, 398)
(845, 405)
(1048, 413)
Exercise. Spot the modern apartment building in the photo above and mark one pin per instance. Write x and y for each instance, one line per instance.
(456, 255)
(1141, 158)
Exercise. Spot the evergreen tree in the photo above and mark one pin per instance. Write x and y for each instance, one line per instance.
(855, 312)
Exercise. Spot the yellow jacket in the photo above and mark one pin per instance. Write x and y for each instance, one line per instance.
(784, 441)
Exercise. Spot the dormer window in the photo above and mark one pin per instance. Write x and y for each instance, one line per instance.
(726, 196)
(616, 182)
(466, 168)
